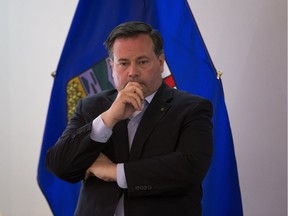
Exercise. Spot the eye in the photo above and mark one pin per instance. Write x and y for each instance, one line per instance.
(122, 63)
(143, 62)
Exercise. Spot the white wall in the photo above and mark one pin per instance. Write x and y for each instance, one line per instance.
(246, 39)
(32, 34)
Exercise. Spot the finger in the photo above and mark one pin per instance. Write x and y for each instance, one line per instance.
(134, 100)
(102, 158)
(87, 174)
(135, 84)
(101, 155)
(137, 94)
(135, 88)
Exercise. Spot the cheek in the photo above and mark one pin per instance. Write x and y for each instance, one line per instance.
(116, 79)
(114, 75)
(119, 80)
(154, 74)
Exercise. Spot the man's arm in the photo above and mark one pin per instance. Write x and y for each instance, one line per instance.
(75, 151)
(103, 168)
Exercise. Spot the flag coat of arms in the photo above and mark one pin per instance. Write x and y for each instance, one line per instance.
(83, 70)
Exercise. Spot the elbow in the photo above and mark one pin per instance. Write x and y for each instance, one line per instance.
(60, 168)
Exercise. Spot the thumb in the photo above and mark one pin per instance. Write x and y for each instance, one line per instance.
(87, 174)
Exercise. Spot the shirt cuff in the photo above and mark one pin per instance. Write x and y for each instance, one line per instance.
(100, 132)
(120, 175)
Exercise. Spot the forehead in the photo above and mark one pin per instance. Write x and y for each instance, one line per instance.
(140, 43)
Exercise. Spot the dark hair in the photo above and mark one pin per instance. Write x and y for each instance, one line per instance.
(133, 29)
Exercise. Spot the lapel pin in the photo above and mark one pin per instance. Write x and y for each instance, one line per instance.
(162, 109)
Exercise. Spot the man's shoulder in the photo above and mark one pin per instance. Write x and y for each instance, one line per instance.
(104, 95)
(187, 96)
(184, 100)
(181, 98)
(101, 100)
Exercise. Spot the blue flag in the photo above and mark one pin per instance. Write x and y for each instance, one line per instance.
(83, 70)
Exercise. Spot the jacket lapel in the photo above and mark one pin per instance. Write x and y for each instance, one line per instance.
(153, 114)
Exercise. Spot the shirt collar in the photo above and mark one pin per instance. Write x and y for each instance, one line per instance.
(150, 97)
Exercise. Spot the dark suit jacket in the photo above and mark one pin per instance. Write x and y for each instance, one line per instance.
(169, 158)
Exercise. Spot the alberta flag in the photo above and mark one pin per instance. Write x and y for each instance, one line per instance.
(83, 70)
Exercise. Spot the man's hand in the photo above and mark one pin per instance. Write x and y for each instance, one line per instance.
(129, 100)
(103, 168)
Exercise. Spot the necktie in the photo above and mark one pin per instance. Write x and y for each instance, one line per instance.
(132, 127)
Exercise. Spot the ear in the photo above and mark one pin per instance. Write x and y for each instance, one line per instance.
(161, 60)
(111, 63)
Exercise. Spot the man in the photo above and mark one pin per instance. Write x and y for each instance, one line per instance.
(142, 149)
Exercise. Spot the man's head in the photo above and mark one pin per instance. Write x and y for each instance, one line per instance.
(136, 55)
(134, 29)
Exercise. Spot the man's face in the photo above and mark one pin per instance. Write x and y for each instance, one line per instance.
(134, 60)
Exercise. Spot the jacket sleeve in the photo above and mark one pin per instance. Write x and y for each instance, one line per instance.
(74, 151)
(189, 138)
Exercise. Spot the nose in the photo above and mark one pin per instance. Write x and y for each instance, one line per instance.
(133, 71)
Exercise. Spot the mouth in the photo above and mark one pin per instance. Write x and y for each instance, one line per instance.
(138, 81)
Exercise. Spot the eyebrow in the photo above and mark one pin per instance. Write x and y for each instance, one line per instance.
(138, 58)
